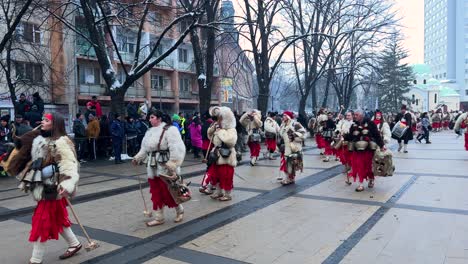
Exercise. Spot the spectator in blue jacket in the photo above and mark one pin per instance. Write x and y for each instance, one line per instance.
(118, 133)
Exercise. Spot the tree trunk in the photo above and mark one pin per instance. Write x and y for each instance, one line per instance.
(118, 102)
(327, 88)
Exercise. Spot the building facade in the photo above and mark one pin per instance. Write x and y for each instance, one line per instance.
(445, 43)
(67, 74)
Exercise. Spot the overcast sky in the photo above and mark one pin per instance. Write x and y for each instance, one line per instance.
(412, 14)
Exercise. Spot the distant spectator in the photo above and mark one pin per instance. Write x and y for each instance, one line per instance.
(97, 106)
(5, 131)
(23, 105)
(33, 117)
(19, 127)
(104, 137)
(37, 101)
(195, 129)
(176, 122)
(131, 134)
(92, 132)
(132, 110)
(80, 136)
(118, 133)
(142, 125)
(90, 110)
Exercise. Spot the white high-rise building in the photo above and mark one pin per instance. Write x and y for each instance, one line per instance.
(446, 43)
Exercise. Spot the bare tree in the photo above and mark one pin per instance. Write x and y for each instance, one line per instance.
(105, 19)
(204, 47)
(268, 43)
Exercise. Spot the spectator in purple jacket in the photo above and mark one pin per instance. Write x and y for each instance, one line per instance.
(196, 136)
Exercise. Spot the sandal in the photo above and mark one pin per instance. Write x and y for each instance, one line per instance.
(216, 196)
(287, 182)
(327, 159)
(71, 251)
(154, 223)
(360, 188)
(225, 198)
(371, 184)
(348, 182)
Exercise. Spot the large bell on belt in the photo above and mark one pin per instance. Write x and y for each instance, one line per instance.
(361, 145)
(37, 176)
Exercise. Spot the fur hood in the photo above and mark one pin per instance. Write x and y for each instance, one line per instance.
(249, 124)
(344, 126)
(229, 121)
(171, 141)
(271, 126)
(459, 121)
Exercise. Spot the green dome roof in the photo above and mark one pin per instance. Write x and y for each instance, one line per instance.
(421, 69)
(433, 81)
(446, 91)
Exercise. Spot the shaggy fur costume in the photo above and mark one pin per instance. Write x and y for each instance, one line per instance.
(227, 134)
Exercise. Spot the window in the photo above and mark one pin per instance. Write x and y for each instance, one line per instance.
(122, 77)
(415, 82)
(417, 101)
(424, 81)
(466, 92)
(183, 55)
(155, 18)
(29, 72)
(435, 98)
(183, 25)
(126, 42)
(89, 75)
(157, 82)
(159, 49)
(185, 84)
(413, 99)
(29, 33)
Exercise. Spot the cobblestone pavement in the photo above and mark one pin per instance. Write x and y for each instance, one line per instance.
(420, 215)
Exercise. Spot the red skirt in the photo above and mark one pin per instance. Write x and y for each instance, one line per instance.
(361, 165)
(49, 219)
(445, 124)
(466, 141)
(271, 144)
(254, 149)
(344, 155)
(435, 125)
(329, 150)
(205, 144)
(413, 128)
(222, 175)
(320, 141)
(208, 176)
(160, 195)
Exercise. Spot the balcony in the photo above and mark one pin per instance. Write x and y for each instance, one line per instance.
(97, 90)
(186, 66)
(187, 95)
(85, 50)
(162, 93)
(167, 63)
(136, 92)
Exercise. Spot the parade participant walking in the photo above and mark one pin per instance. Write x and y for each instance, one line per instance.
(291, 134)
(343, 153)
(328, 129)
(364, 137)
(164, 149)
(436, 121)
(405, 118)
(462, 124)
(382, 126)
(425, 123)
(222, 158)
(321, 119)
(271, 133)
(252, 121)
(53, 155)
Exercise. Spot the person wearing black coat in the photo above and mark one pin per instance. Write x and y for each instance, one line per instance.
(131, 133)
(405, 118)
(118, 133)
(80, 136)
(37, 101)
(328, 133)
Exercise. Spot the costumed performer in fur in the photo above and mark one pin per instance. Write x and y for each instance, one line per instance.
(271, 133)
(292, 135)
(47, 166)
(462, 124)
(223, 155)
(365, 138)
(252, 122)
(164, 150)
(343, 154)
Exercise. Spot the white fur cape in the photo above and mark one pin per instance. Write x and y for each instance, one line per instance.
(61, 152)
(227, 134)
(299, 131)
(271, 126)
(171, 141)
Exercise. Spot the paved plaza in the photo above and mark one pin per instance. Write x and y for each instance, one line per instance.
(420, 215)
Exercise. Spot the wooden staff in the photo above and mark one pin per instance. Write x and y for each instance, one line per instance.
(91, 244)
